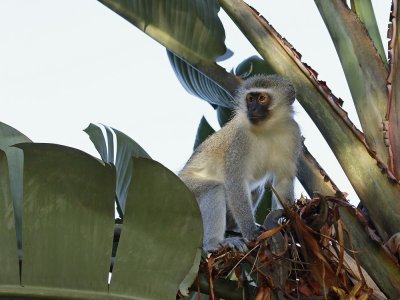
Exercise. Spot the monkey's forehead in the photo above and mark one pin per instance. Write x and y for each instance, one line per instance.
(259, 90)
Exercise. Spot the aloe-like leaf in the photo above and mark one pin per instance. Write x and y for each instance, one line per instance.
(313, 177)
(360, 164)
(161, 234)
(199, 84)
(8, 137)
(393, 112)
(191, 29)
(9, 274)
(374, 259)
(365, 11)
(126, 148)
(363, 67)
(68, 221)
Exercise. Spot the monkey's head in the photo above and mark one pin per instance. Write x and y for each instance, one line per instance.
(265, 97)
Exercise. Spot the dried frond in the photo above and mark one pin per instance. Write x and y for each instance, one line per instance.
(311, 261)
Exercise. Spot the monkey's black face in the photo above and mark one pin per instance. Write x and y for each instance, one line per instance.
(257, 106)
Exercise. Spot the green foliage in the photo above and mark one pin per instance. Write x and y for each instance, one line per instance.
(125, 149)
(68, 225)
(8, 254)
(10, 136)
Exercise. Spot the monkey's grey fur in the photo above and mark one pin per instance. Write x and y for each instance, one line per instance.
(227, 172)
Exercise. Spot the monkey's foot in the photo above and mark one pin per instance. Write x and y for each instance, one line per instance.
(235, 243)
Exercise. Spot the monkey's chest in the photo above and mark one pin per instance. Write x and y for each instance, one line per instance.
(267, 157)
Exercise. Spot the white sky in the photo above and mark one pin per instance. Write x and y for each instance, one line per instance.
(67, 63)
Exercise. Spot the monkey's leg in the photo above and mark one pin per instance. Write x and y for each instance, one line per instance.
(285, 189)
(213, 211)
(211, 197)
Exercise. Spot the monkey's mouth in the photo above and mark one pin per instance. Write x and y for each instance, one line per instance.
(255, 119)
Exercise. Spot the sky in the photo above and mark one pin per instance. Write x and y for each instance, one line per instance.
(67, 63)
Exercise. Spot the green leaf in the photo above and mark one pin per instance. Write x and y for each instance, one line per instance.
(68, 219)
(98, 140)
(8, 137)
(363, 67)
(367, 173)
(224, 114)
(252, 66)
(191, 29)
(203, 132)
(126, 149)
(9, 274)
(198, 84)
(161, 234)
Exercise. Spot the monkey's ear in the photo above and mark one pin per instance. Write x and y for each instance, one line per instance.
(291, 100)
(292, 94)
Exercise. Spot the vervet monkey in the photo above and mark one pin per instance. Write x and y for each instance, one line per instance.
(228, 171)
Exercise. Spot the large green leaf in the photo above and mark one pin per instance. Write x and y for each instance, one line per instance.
(161, 234)
(365, 171)
(191, 29)
(126, 148)
(8, 137)
(9, 274)
(363, 67)
(68, 220)
(198, 83)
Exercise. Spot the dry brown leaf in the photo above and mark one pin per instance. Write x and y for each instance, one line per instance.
(341, 246)
(393, 245)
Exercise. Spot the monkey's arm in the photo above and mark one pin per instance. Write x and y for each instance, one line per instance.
(238, 192)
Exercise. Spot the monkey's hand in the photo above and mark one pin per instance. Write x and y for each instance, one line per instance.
(235, 243)
(240, 243)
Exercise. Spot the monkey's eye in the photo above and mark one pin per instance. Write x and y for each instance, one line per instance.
(249, 98)
(263, 99)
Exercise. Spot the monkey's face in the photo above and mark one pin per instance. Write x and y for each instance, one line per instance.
(258, 106)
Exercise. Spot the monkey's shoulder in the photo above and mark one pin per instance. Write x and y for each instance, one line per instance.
(210, 158)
